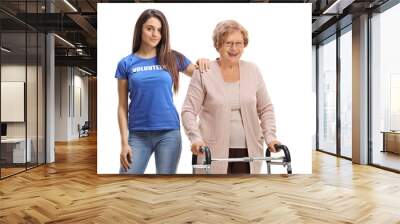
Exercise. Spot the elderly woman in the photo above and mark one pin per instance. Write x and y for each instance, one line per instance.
(234, 108)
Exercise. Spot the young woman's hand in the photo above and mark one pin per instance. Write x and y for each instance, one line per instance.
(271, 145)
(196, 147)
(126, 156)
(203, 64)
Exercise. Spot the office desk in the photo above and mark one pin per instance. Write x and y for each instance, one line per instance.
(13, 150)
(391, 141)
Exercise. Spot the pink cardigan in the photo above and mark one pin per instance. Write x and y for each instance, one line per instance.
(206, 97)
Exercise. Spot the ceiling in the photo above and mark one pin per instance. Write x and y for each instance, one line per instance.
(76, 26)
(76, 23)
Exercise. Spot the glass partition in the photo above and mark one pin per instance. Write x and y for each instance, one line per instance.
(346, 93)
(385, 79)
(14, 152)
(327, 96)
(22, 89)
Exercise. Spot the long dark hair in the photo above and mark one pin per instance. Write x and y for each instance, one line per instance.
(167, 57)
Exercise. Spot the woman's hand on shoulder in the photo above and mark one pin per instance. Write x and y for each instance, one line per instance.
(202, 64)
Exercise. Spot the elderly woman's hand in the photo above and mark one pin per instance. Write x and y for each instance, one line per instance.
(196, 147)
(271, 145)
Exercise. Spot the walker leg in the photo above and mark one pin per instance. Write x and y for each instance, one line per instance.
(268, 167)
(289, 168)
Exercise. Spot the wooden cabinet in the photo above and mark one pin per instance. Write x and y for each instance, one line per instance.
(391, 141)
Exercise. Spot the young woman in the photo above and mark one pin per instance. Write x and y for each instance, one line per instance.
(147, 76)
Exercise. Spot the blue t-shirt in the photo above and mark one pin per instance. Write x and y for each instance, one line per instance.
(151, 104)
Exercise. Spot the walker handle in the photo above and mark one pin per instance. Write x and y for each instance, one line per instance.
(278, 148)
(207, 154)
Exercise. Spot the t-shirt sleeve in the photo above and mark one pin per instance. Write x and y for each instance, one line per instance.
(121, 73)
(185, 63)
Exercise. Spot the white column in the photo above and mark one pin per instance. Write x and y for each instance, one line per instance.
(50, 93)
(360, 90)
(50, 100)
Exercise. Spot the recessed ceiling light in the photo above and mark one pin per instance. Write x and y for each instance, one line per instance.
(64, 40)
(70, 5)
(337, 7)
(84, 71)
(5, 50)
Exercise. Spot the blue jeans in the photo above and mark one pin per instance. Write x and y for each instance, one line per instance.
(166, 145)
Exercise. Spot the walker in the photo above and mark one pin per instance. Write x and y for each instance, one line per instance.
(205, 164)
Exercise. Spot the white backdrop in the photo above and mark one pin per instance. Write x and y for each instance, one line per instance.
(279, 43)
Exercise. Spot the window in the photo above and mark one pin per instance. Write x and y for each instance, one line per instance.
(346, 93)
(327, 96)
(385, 88)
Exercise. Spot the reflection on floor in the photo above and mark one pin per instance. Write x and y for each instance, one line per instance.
(386, 159)
(10, 169)
(347, 152)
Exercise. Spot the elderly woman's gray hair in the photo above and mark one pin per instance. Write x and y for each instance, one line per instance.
(226, 27)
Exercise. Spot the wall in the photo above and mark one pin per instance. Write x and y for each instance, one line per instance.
(17, 73)
(33, 125)
(314, 90)
(71, 102)
(92, 107)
